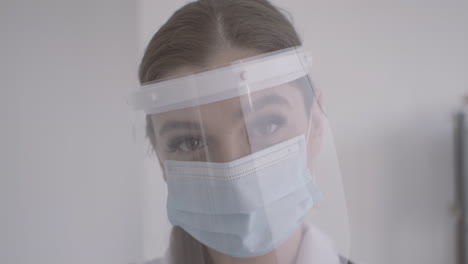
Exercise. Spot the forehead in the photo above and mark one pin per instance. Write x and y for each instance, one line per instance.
(217, 112)
(285, 97)
(225, 111)
(219, 57)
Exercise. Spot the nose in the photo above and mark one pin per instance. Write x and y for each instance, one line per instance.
(230, 148)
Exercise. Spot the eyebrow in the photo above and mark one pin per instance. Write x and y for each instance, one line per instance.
(256, 106)
(172, 125)
(269, 100)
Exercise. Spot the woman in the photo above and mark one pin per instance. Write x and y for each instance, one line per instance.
(238, 131)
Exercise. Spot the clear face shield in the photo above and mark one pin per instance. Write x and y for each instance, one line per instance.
(249, 172)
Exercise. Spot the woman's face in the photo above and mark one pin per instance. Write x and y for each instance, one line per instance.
(227, 130)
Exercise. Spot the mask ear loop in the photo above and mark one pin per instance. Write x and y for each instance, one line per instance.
(313, 172)
(315, 190)
(309, 128)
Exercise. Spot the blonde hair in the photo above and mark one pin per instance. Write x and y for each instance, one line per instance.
(190, 36)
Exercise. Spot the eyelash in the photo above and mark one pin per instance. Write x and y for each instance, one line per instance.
(278, 120)
(175, 143)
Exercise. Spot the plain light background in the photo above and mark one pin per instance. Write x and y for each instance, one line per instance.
(392, 72)
(68, 170)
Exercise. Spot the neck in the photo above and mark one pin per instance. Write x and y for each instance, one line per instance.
(284, 254)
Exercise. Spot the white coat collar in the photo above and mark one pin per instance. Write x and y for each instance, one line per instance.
(316, 248)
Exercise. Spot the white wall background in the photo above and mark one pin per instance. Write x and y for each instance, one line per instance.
(68, 172)
(393, 73)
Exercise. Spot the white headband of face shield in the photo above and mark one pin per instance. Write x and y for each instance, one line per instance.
(238, 78)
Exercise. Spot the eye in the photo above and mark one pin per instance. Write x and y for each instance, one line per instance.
(186, 144)
(268, 125)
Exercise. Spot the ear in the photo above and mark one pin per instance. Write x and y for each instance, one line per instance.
(152, 140)
(318, 95)
(316, 131)
(161, 164)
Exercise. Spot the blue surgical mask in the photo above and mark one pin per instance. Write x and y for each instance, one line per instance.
(247, 207)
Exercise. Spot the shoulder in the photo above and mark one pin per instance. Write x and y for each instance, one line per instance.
(345, 261)
(164, 259)
(315, 240)
(156, 261)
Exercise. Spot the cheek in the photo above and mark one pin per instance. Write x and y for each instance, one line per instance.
(314, 145)
(313, 150)
(299, 121)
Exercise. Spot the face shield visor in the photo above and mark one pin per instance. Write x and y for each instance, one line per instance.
(248, 166)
